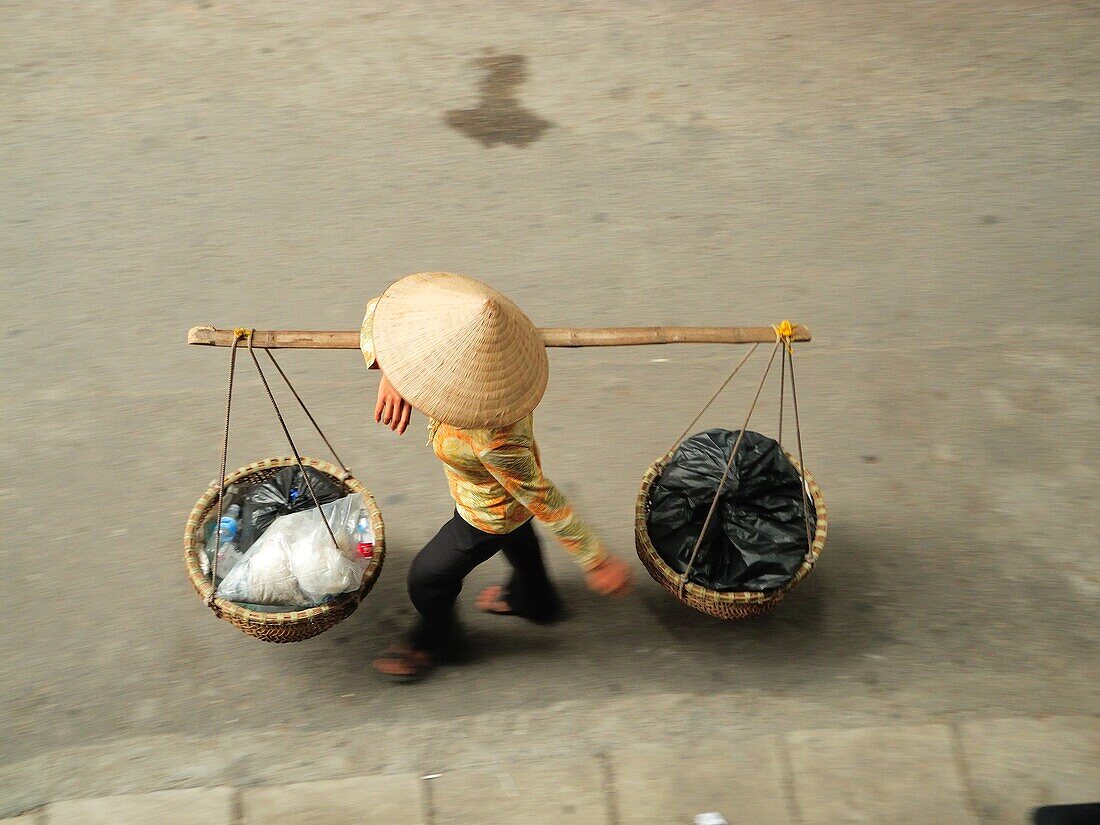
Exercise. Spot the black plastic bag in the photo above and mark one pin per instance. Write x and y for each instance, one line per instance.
(757, 538)
(285, 492)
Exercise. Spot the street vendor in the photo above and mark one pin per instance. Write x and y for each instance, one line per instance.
(467, 357)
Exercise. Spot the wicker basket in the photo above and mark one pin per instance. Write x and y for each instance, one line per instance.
(291, 626)
(735, 605)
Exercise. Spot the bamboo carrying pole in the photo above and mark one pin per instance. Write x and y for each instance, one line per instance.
(207, 336)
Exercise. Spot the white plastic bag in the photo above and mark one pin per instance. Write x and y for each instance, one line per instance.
(321, 569)
(294, 561)
(264, 576)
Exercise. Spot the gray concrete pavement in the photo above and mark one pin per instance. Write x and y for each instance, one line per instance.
(916, 181)
(176, 807)
(879, 774)
(903, 774)
(370, 800)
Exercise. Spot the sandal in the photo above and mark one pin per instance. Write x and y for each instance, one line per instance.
(401, 663)
(493, 600)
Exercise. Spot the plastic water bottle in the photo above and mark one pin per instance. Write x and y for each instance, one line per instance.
(223, 540)
(228, 527)
(228, 556)
(364, 535)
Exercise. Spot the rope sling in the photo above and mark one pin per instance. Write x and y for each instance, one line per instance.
(247, 334)
(290, 625)
(736, 604)
(296, 625)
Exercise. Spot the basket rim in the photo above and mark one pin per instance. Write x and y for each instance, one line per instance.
(671, 579)
(229, 609)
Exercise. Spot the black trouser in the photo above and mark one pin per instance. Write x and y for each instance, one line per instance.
(436, 574)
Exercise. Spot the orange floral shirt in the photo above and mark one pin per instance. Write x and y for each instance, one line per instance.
(496, 478)
(497, 483)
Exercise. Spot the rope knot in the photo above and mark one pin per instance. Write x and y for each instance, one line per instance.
(242, 332)
(784, 331)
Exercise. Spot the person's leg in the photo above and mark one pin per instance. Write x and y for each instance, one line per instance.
(529, 592)
(435, 580)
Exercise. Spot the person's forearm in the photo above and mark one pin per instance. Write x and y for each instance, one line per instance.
(580, 541)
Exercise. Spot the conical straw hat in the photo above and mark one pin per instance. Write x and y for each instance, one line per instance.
(459, 351)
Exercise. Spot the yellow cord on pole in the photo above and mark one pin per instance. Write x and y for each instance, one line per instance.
(784, 330)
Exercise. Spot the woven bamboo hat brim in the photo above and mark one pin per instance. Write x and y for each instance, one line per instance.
(459, 351)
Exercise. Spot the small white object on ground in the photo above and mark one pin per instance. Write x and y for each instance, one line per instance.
(710, 819)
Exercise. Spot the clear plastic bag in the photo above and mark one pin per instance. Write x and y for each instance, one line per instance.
(295, 563)
(321, 569)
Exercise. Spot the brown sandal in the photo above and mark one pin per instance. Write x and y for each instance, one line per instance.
(401, 663)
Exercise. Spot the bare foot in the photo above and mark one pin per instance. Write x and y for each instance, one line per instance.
(491, 600)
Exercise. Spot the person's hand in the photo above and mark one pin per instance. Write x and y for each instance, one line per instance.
(611, 578)
(391, 409)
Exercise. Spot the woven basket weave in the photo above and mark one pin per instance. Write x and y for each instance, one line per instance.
(734, 605)
(291, 626)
